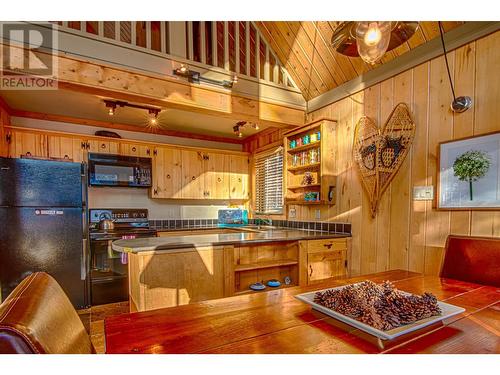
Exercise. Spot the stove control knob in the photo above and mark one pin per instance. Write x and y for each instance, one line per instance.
(134, 214)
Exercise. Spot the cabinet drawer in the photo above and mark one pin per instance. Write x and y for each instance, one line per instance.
(325, 256)
(318, 246)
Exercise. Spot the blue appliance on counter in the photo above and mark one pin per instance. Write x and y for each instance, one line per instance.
(232, 217)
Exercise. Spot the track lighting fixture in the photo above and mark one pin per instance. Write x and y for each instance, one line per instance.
(153, 116)
(240, 125)
(153, 112)
(195, 77)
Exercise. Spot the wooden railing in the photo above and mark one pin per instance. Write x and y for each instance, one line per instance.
(233, 46)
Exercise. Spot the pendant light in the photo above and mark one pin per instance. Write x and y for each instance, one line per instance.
(372, 39)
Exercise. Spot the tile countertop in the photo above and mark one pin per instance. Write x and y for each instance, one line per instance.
(153, 244)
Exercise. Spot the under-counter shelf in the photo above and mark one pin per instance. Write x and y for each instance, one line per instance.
(262, 265)
(268, 289)
(309, 202)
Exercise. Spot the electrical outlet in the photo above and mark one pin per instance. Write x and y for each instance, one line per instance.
(318, 214)
(292, 213)
(423, 193)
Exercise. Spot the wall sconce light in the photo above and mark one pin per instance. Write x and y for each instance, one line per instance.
(195, 77)
(153, 112)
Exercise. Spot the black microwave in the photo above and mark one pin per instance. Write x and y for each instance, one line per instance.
(119, 170)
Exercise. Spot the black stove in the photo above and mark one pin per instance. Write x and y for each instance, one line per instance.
(109, 272)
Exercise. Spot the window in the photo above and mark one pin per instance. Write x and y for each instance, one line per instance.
(269, 182)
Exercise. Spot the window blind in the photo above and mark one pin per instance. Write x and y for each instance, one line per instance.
(269, 183)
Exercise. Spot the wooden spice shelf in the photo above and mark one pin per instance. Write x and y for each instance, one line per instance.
(268, 289)
(262, 265)
(316, 144)
(303, 167)
(299, 187)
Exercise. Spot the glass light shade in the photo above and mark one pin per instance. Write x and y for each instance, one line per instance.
(372, 39)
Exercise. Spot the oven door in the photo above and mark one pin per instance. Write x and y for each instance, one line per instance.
(117, 170)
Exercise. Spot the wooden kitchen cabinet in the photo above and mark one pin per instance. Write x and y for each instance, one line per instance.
(238, 177)
(167, 173)
(103, 146)
(324, 259)
(67, 147)
(216, 176)
(193, 168)
(21, 142)
(177, 277)
(135, 149)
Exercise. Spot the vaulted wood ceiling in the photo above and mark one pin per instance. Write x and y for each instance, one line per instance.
(304, 49)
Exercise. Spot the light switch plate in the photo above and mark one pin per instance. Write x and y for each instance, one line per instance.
(292, 213)
(318, 214)
(423, 193)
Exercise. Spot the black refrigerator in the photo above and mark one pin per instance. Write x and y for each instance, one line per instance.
(43, 224)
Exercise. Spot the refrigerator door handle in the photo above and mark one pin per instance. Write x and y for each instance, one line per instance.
(83, 268)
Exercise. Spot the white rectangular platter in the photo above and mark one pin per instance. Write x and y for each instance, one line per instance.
(446, 309)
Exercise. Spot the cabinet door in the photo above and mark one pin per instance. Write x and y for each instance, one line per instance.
(193, 184)
(216, 176)
(67, 147)
(132, 149)
(238, 177)
(103, 146)
(27, 143)
(167, 173)
(326, 264)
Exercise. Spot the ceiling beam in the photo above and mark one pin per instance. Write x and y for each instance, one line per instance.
(117, 126)
(98, 79)
(454, 39)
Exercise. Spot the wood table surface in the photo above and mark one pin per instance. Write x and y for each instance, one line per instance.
(276, 322)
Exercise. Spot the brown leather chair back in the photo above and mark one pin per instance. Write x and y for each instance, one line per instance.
(38, 317)
(472, 259)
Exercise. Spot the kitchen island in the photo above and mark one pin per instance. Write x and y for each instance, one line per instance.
(176, 269)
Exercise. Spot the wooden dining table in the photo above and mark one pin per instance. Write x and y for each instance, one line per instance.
(276, 322)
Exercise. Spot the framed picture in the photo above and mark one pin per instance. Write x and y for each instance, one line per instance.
(469, 173)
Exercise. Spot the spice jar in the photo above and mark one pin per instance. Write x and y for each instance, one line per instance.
(314, 137)
(306, 139)
(293, 143)
(298, 142)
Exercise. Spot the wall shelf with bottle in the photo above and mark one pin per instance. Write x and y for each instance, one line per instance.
(310, 176)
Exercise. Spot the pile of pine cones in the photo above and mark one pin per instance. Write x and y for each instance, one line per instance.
(380, 306)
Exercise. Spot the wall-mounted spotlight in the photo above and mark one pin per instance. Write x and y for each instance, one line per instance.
(195, 77)
(237, 130)
(153, 112)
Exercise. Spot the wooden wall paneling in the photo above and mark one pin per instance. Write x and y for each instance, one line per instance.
(289, 59)
(487, 113)
(383, 241)
(400, 187)
(369, 226)
(418, 213)
(296, 48)
(463, 123)
(355, 190)
(133, 149)
(440, 129)
(330, 77)
(320, 34)
(277, 48)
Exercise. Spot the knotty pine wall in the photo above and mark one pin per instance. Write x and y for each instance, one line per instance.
(409, 234)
